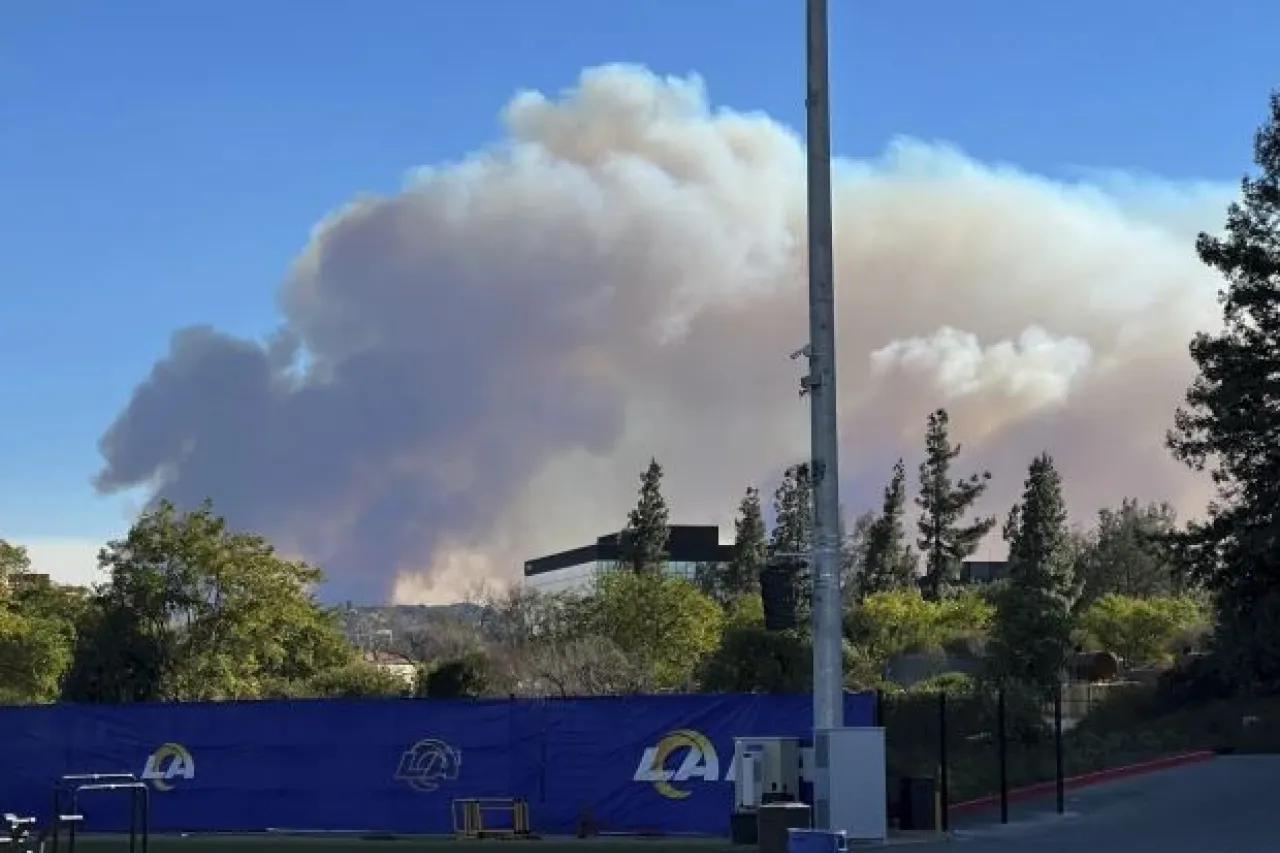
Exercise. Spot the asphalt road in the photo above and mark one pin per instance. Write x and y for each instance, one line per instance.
(1225, 805)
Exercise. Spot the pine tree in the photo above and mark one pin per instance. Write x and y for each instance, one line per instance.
(1128, 553)
(643, 545)
(944, 541)
(853, 554)
(889, 562)
(789, 546)
(1230, 424)
(1032, 631)
(793, 513)
(750, 546)
(741, 575)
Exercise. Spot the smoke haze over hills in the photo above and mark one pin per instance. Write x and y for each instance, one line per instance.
(474, 370)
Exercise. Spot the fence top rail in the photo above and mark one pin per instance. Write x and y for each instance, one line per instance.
(112, 786)
(96, 777)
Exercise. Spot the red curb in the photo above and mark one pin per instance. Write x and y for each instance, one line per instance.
(1084, 780)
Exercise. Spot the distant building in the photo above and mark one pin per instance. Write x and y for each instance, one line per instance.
(977, 572)
(27, 581)
(688, 546)
(394, 664)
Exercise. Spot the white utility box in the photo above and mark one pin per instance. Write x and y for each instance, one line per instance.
(853, 761)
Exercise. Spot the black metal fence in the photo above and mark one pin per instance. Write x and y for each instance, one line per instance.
(975, 747)
(983, 749)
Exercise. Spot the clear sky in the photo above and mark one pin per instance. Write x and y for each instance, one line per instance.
(162, 162)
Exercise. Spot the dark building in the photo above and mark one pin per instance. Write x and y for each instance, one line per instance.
(975, 573)
(982, 571)
(687, 547)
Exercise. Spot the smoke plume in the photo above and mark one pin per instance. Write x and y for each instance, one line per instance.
(474, 370)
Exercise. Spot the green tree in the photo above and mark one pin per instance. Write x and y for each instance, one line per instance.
(853, 554)
(750, 547)
(37, 630)
(34, 654)
(793, 513)
(898, 621)
(893, 622)
(1031, 635)
(194, 610)
(547, 645)
(1140, 630)
(660, 620)
(47, 600)
(889, 562)
(745, 611)
(750, 659)
(643, 542)
(725, 582)
(118, 656)
(944, 540)
(13, 560)
(1230, 424)
(355, 680)
(1129, 553)
(792, 535)
(964, 620)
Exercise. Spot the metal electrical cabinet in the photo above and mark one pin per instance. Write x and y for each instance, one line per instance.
(768, 770)
(853, 760)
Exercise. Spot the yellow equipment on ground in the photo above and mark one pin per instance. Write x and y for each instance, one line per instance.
(491, 817)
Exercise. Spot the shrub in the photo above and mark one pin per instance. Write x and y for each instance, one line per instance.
(1197, 678)
(462, 678)
(751, 659)
(950, 683)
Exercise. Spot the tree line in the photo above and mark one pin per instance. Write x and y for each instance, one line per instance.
(1117, 587)
(192, 609)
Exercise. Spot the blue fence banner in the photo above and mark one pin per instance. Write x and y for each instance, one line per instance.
(660, 764)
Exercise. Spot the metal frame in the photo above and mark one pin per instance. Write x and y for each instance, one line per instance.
(468, 817)
(74, 784)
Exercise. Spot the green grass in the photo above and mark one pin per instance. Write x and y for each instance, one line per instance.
(367, 843)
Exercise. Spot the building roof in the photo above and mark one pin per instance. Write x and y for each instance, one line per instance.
(686, 543)
(382, 658)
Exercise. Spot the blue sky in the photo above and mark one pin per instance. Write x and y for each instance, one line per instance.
(161, 163)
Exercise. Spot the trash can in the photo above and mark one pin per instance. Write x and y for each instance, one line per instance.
(816, 841)
(775, 819)
(744, 828)
(918, 803)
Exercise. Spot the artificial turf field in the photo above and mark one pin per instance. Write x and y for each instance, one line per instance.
(356, 843)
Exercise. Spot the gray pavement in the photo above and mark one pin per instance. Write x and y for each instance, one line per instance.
(1226, 805)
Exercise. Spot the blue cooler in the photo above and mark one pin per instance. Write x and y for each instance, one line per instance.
(816, 841)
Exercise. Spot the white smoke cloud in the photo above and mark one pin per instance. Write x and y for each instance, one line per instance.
(1037, 368)
(474, 370)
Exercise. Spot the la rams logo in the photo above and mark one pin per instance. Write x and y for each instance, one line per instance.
(171, 761)
(697, 760)
(428, 763)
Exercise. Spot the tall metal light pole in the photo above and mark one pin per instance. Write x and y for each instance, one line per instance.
(828, 690)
